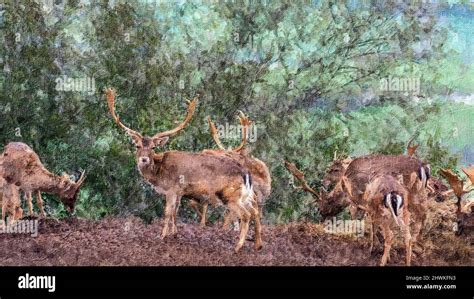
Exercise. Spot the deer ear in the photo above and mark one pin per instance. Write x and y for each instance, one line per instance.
(135, 139)
(161, 141)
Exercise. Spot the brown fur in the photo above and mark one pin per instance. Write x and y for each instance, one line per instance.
(22, 167)
(175, 174)
(10, 202)
(258, 170)
(362, 170)
(381, 216)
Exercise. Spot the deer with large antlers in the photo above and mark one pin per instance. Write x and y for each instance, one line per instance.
(202, 207)
(354, 178)
(465, 209)
(364, 169)
(196, 175)
(259, 171)
(22, 167)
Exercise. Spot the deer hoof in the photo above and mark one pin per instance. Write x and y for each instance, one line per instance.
(258, 247)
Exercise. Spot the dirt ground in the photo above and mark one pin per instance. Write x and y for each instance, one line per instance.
(128, 241)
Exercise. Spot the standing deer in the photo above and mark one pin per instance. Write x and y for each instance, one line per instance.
(22, 167)
(364, 169)
(10, 201)
(195, 203)
(465, 209)
(175, 174)
(386, 203)
(259, 171)
(354, 179)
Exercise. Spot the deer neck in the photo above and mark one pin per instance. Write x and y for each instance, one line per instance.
(51, 183)
(151, 172)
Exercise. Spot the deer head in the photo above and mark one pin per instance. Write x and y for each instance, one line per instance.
(68, 190)
(145, 145)
(329, 204)
(335, 172)
(437, 190)
(244, 123)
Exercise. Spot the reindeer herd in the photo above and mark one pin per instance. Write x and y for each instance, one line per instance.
(390, 191)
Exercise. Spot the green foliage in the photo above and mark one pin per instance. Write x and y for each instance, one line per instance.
(299, 70)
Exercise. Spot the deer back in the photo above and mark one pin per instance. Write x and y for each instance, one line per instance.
(192, 174)
(364, 169)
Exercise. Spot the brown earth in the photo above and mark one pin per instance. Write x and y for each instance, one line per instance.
(128, 241)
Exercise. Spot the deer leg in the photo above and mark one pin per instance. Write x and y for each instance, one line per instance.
(29, 199)
(244, 216)
(416, 233)
(388, 238)
(18, 213)
(194, 205)
(371, 234)
(39, 201)
(244, 226)
(258, 227)
(174, 227)
(406, 233)
(4, 210)
(205, 205)
(227, 220)
(169, 212)
(353, 211)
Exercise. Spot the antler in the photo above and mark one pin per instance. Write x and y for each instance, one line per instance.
(455, 181)
(81, 179)
(191, 108)
(470, 173)
(411, 149)
(214, 133)
(110, 96)
(245, 124)
(300, 177)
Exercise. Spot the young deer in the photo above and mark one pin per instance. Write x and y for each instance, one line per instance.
(196, 175)
(21, 166)
(386, 204)
(10, 202)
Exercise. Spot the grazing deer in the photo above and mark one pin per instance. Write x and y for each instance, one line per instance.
(22, 167)
(362, 170)
(335, 172)
(196, 175)
(329, 204)
(353, 181)
(386, 204)
(465, 209)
